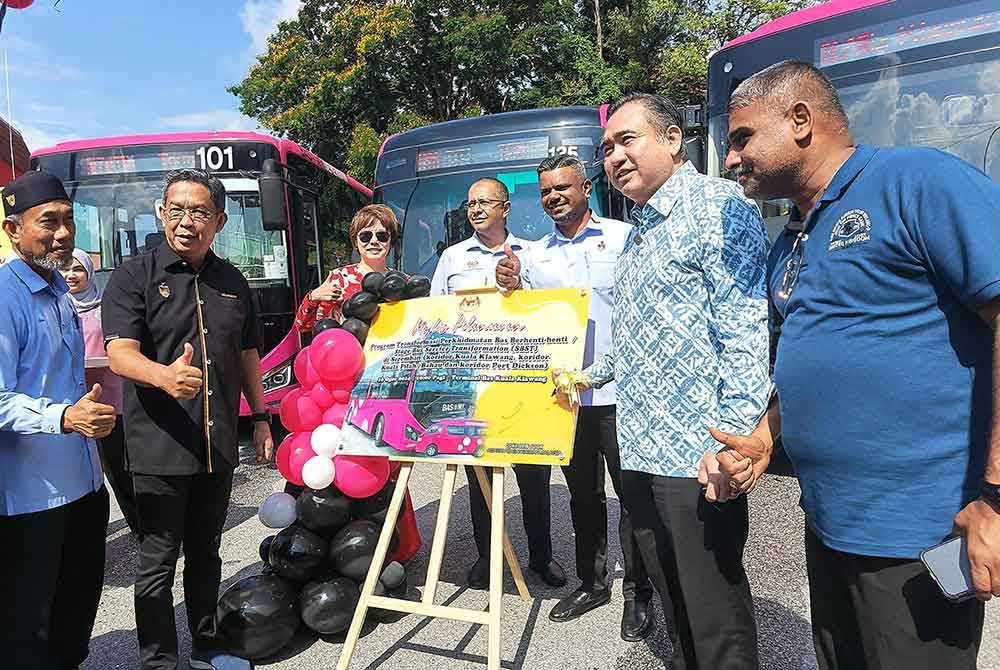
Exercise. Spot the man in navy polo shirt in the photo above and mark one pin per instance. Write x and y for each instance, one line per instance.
(886, 290)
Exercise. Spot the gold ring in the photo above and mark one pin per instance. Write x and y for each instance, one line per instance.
(734, 485)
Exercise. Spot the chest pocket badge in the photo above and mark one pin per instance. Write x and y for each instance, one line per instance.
(853, 228)
(163, 289)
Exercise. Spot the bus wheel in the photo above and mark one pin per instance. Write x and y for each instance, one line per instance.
(378, 430)
(432, 450)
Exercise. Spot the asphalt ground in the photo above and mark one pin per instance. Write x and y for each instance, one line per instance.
(774, 558)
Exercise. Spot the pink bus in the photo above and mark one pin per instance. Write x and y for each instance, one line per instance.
(406, 409)
(278, 221)
(909, 72)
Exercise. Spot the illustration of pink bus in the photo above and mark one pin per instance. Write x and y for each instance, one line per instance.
(406, 409)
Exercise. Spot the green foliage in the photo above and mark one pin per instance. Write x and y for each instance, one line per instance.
(346, 74)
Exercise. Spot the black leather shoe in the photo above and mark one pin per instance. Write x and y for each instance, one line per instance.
(479, 575)
(579, 603)
(637, 621)
(551, 573)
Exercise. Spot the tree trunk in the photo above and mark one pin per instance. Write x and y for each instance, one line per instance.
(597, 22)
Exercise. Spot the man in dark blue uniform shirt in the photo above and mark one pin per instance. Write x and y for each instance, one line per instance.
(885, 288)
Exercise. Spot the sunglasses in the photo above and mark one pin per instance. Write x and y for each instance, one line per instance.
(365, 236)
(793, 267)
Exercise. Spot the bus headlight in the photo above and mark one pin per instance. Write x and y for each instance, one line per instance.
(278, 377)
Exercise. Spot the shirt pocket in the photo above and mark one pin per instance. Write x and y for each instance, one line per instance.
(602, 271)
(228, 319)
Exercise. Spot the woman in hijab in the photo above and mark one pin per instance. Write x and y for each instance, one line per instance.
(79, 276)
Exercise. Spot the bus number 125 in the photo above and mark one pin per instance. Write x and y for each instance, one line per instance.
(215, 158)
(565, 150)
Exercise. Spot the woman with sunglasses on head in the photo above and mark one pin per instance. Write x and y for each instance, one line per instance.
(373, 231)
(79, 276)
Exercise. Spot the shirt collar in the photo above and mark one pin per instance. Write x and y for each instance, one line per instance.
(169, 257)
(844, 177)
(595, 226)
(476, 242)
(34, 281)
(658, 207)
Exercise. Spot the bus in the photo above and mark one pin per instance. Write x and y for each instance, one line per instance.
(278, 203)
(909, 72)
(421, 410)
(424, 175)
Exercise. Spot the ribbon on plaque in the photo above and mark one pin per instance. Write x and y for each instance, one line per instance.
(567, 383)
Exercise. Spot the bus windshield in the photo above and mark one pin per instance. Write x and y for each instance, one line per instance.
(116, 221)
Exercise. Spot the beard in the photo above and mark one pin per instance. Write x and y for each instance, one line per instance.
(50, 262)
(770, 183)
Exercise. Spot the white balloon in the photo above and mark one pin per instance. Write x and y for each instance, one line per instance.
(324, 440)
(318, 472)
(277, 510)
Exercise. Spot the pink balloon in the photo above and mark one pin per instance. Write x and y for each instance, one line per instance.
(321, 395)
(305, 373)
(298, 412)
(291, 447)
(301, 452)
(335, 414)
(360, 476)
(341, 397)
(336, 357)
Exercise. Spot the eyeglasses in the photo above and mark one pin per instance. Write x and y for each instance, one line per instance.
(793, 267)
(198, 215)
(365, 236)
(484, 204)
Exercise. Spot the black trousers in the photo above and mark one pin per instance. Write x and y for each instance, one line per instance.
(597, 442)
(885, 613)
(51, 574)
(693, 552)
(112, 450)
(175, 510)
(533, 482)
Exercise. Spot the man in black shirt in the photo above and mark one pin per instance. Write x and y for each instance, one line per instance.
(181, 329)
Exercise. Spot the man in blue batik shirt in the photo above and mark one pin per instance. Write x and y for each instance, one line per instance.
(583, 251)
(886, 294)
(690, 352)
(53, 504)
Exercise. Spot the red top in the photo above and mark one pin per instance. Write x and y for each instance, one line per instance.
(348, 278)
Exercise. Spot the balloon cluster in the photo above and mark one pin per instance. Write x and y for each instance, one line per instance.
(317, 562)
(313, 571)
(362, 307)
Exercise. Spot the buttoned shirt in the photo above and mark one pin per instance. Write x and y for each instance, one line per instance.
(163, 302)
(586, 261)
(690, 337)
(470, 264)
(41, 375)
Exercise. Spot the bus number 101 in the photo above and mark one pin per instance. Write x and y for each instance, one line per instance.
(215, 158)
(565, 150)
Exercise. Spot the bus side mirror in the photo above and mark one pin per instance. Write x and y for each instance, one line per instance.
(273, 206)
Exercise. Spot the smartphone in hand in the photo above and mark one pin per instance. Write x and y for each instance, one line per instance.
(949, 565)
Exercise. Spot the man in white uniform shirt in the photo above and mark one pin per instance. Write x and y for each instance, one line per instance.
(582, 252)
(468, 265)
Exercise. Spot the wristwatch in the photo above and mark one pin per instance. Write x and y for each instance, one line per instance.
(990, 493)
(264, 416)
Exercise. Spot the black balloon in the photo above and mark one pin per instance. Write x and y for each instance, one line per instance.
(393, 286)
(417, 286)
(394, 577)
(298, 554)
(324, 512)
(372, 283)
(265, 548)
(328, 606)
(392, 584)
(352, 549)
(258, 615)
(325, 324)
(357, 328)
(362, 305)
(375, 507)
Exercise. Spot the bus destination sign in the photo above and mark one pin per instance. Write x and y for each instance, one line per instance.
(166, 157)
(503, 151)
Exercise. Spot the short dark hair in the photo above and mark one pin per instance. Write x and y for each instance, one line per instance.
(369, 215)
(783, 83)
(501, 187)
(558, 162)
(662, 113)
(203, 177)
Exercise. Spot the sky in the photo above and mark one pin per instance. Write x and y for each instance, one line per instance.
(94, 68)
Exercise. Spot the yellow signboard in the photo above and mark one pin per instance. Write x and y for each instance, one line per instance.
(467, 378)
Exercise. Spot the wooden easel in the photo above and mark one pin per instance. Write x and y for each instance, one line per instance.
(499, 546)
